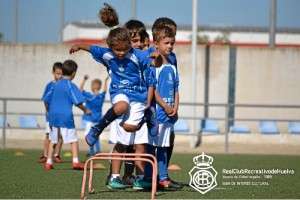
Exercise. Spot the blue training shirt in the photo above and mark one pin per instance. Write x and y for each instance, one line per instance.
(126, 75)
(48, 89)
(166, 81)
(61, 99)
(94, 103)
(171, 58)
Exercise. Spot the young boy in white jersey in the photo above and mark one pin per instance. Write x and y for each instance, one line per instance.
(59, 103)
(57, 73)
(165, 81)
(94, 102)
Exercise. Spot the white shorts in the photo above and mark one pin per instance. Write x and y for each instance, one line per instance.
(48, 130)
(135, 112)
(68, 135)
(163, 137)
(88, 126)
(119, 136)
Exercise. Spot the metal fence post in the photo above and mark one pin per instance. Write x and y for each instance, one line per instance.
(4, 125)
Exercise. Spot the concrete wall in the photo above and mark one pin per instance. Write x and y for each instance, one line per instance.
(264, 76)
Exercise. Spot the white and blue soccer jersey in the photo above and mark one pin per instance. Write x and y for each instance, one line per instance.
(94, 103)
(61, 99)
(166, 81)
(127, 74)
(48, 89)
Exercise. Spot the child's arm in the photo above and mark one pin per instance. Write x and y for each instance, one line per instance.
(150, 96)
(77, 47)
(85, 77)
(168, 109)
(105, 83)
(176, 103)
(84, 109)
(46, 107)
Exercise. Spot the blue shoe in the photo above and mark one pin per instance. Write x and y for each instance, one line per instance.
(92, 136)
(141, 184)
(152, 124)
(116, 183)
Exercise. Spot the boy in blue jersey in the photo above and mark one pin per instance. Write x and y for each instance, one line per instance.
(59, 103)
(165, 80)
(165, 21)
(94, 102)
(57, 73)
(128, 92)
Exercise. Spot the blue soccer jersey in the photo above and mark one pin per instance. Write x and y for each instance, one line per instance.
(127, 74)
(61, 99)
(166, 81)
(48, 89)
(94, 103)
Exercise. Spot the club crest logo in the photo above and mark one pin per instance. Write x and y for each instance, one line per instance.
(203, 175)
(121, 68)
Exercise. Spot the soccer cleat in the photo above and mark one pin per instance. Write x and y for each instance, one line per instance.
(128, 180)
(141, 184)
(152, 124)
(57, 159)
(48, 166)
(42, 159)
(170, 184)
(93, 135)
(79, 165)
(115, 183)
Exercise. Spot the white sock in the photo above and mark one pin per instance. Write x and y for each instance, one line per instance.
(46, 156)
(139, 177)
(75, 160)
(115, 175)
(49, 161)
(56, 154)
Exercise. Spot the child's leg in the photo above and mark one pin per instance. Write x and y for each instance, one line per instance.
(75, 149)
(46, 145)
(148, 167)
(98, 150)
(129, 165)
(50, 153)
(170, 148)
(115, 181)
(140, 167)
(58, 146)
(54, 135)
(162, 163)
(134, 118)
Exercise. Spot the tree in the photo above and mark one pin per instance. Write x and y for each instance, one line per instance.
(223, 38)
(1, 37)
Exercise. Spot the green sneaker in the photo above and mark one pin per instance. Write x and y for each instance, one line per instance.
(141, 184)
(115, 183)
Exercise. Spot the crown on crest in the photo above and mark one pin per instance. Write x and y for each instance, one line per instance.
(203, 160)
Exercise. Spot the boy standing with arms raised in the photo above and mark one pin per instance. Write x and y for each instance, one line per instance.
(59, 103)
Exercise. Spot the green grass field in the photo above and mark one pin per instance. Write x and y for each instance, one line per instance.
(23, 177)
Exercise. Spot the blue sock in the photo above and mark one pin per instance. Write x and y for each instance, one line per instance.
(97, 144)
(109, 117)
(162, 162)
(148, 166)
(92, 150)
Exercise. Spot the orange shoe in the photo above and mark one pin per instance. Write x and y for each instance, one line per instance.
(57, 159)
(79, 165)
(48, 166)
(42, 159)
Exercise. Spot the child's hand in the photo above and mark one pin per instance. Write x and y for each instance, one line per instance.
(169, 110)
(174, 112)
(86, 77)
(74, 49)
(88, 112)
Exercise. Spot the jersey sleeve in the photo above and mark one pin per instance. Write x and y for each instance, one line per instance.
(48, 96)
(47, 89)
(144, 60)
(98, 53)
(76, 96)
(86, 94)
(102, 95)
(152, 81)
